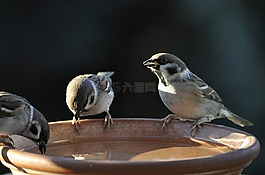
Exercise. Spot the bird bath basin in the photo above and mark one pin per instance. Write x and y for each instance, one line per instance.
(134, 146)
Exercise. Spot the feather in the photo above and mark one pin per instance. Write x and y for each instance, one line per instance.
(205, 90)
(9, 103)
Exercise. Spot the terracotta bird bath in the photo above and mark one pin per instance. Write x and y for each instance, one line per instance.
(134, 146)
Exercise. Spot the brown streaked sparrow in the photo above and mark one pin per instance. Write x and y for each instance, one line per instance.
(186, 95)
(18, 116)
(90, 94)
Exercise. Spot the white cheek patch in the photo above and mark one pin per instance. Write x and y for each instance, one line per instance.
(173, 66)
(38, 127)
(108, 86)
(177, 74)
(185, 74)
(31, 113)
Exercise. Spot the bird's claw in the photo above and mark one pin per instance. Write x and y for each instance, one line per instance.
(167, 120)
(7, 140)
(197, 125)
(108, 122)
(194, 128)
(77, 125)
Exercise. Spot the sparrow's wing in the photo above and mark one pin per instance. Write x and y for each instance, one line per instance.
(102, 79)
(108, 85)
(9, 103)
(205, 90)
(105, 82)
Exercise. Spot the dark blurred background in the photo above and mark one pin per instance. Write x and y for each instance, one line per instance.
(44, 44)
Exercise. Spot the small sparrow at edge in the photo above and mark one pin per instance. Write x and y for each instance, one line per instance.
(186, 95)
(18, 116)
(90, 94)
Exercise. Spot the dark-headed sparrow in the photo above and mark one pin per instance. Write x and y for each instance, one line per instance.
(18, 116)
(186, 95)
(90, 94)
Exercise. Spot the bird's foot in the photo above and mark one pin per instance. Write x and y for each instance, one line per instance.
(77, 125)
(194, 128)
(108, 122)
(167, 120)
(7, 140)
(197, 125)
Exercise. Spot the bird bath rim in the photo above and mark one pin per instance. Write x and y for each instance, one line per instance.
(235, 160)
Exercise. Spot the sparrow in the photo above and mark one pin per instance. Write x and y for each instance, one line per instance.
(18, 116)
(90, 94)
(186, 95)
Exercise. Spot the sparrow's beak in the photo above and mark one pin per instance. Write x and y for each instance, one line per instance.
(44, 134)
(150, 63)
(42, 146)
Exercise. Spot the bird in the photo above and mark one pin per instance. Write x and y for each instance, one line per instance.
(18, 116)
(186, 95)
(90, 94)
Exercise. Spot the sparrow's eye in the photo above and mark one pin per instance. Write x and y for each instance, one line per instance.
(163, 61)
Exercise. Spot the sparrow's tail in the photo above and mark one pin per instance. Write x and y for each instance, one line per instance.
(235, 118)
(105, 74)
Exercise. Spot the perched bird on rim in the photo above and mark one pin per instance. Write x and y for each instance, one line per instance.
(186, 95)
(18, 116)
(90, 94)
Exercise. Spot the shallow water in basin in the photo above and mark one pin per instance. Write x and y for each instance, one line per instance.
(136, 150)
